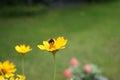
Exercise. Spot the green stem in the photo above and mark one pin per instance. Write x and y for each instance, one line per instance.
(23, 65)
(54, 61)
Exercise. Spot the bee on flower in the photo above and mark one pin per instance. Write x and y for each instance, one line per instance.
(53, 45)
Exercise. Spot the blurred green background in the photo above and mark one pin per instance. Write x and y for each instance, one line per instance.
(92, 31)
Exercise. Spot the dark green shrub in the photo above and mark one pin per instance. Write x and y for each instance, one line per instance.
(22, 10)
(100, 0)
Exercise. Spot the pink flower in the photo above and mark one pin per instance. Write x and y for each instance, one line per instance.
(87, 68)
(67, 73)
(74, 62)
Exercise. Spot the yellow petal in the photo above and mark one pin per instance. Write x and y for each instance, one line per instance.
(2, 78)
(41, 47)
(17, 48)
(46, 44)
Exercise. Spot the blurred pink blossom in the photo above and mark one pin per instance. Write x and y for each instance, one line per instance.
(67, 73)
(74, 62)
(87, 68)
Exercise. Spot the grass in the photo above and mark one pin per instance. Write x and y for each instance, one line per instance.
(92, 31)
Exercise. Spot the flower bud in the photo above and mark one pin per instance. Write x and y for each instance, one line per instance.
(87, 68)
(74, 62)
(67, 73)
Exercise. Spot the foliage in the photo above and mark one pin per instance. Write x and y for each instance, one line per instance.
(99, 0)
(22, 10)
(23, 2)
(45, 2)
(83, 72)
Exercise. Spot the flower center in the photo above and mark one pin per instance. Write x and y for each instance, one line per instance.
(3, 72)
(51, 43)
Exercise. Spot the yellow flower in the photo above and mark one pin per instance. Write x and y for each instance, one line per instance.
(20, 77)
(53, 45)
(12, 78)
(22, 49)
(1, 77)
(7, 69)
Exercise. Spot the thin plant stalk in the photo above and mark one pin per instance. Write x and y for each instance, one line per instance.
(23, 71)
(54, 62)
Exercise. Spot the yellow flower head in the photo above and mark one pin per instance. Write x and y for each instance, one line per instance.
(22, 49)
(7, 69)
(12, 78)
(53, 45)
(19, 77)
